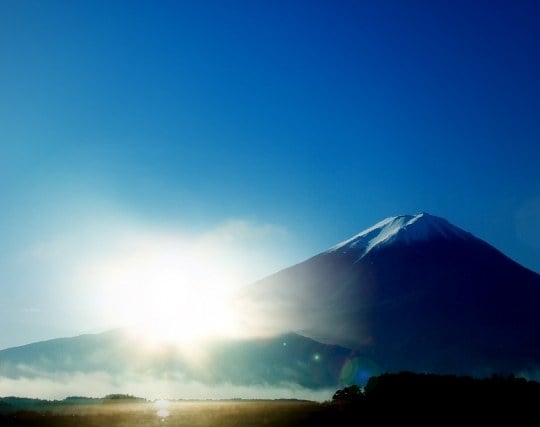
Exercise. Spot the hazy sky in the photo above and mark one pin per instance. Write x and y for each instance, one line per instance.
(255, 133)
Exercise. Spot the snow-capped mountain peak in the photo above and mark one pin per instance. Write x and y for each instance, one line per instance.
(403, 228)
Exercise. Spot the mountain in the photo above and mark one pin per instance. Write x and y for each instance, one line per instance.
(286, 360)
(413, 292)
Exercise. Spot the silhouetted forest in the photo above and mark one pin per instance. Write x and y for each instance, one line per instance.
(436, 398)
(404, 397)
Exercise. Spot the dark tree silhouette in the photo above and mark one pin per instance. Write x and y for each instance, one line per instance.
(352, 393)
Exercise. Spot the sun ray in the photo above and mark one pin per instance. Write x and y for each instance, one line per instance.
(169, 293)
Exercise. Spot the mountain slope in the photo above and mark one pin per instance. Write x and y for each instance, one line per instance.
(411, 292)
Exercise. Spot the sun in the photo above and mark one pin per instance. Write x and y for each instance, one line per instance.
(169, 292)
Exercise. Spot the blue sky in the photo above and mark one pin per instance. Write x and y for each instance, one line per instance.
(275, 129)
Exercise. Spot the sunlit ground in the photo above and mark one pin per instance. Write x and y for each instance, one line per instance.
(164, 413)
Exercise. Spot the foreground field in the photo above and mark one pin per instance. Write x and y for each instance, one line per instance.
(404, 397)
(223, 414)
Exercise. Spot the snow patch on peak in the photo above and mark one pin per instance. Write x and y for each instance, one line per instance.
(424, 226)
(403, 228)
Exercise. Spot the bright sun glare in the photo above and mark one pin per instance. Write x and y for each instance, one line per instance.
(170, 291)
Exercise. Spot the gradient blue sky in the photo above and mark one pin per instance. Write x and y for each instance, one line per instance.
(274, 128)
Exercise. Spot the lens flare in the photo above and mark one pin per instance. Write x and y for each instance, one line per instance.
(357, 370)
